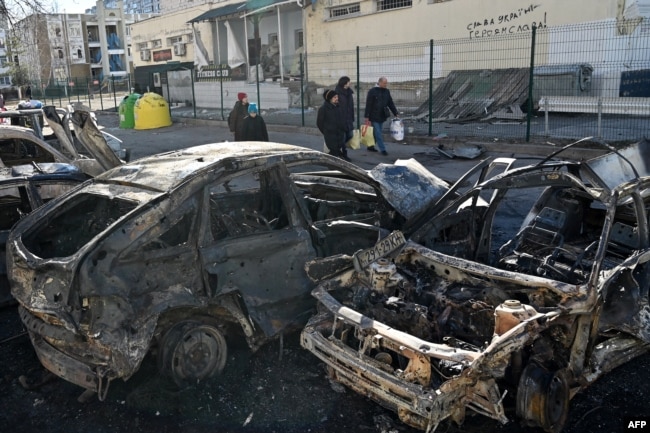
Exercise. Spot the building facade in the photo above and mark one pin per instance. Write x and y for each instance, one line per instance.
(94, 47)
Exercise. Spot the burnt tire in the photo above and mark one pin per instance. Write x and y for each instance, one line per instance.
(192, 351)
(543, 398)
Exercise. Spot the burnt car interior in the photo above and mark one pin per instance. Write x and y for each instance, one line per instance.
(16, 151)
(562, 239)
(83, 217)
(521, 316)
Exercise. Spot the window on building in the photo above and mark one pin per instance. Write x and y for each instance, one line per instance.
(143, 46)
(273, 38)
(384, 5)
(157, 43)
(5, 80)
(299, 38)
(3, 61)
(342, 11)
(174, 40)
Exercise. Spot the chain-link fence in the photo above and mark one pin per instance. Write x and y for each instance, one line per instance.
(106, 94)
(569, 82)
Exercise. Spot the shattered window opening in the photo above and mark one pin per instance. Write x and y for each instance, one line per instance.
(246, 204)
(13, 204)
(80, 220)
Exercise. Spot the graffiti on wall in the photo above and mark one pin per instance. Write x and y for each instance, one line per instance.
(516, 21)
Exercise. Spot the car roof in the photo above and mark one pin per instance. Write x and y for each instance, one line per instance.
(10, 131)
(164, 171)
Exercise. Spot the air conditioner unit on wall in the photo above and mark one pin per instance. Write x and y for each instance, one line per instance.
(145, 55)
(179, 49)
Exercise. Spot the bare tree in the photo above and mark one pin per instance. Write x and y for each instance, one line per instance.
(15, 10)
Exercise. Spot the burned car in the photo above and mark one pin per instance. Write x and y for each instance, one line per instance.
(28, 139)
(471, 318)
(176, 252)
(24, 188)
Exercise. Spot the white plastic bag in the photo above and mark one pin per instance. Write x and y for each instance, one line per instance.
(397, 129)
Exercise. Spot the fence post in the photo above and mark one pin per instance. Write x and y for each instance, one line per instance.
(220, 90)
(114, 92)
(600, 115)
(88, 92)
(546, 107)
(529, 110)
(430, 87)
(194, 94)
(302, 90)
(257, 81)
(101, 95)
(358, 89)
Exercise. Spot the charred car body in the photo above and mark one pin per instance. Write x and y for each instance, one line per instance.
(33, 171)
(176, 251)
(24, 188)
(465, 321)
(91, 150)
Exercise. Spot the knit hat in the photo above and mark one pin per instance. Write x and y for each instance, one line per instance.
(329, 94)
(241, 95)
(252, 107)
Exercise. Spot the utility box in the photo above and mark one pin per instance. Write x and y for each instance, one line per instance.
(126, 110)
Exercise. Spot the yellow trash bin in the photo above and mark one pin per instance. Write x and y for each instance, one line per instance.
(151, 111)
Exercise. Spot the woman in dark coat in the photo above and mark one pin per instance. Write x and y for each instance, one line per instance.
(237, 115)
(253, 126)
(331, 124)
(346, 104)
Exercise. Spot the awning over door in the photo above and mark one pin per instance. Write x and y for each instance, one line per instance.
(235, 8)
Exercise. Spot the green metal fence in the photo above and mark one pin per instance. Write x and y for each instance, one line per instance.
(104, 94)
(563, 83)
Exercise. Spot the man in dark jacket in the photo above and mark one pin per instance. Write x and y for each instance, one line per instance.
(237, 115)
(253, 126)
(330, 123)
(378, 104)
(346, 105)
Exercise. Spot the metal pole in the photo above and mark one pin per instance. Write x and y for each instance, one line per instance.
(546, 107)
(600, 114)
(358, 90)
(101, 95)
(194, 94)
(221, 89)
(280, 45)
(257, 81)
(88, 93)
(430, 87)
(302, 90)
(529, 110)
(169, 99)
(114, 93)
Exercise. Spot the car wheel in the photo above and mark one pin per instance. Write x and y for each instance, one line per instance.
(543, 398)
(192, 351)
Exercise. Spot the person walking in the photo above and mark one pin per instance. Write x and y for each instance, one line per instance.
(28, 92)
(346, 105)
(253, 127)
(331, 124)
(379, 106)
(237, 115)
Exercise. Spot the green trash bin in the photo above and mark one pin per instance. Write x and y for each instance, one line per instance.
(127, 118)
